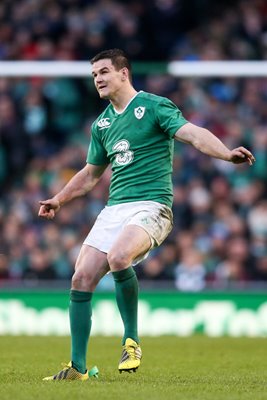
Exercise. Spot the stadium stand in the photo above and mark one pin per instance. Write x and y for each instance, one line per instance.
(220, 210)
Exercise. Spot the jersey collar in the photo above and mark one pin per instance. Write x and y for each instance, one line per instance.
(121, 112)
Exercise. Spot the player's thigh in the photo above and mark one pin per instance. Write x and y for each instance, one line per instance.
(132, 242)
(90, 267)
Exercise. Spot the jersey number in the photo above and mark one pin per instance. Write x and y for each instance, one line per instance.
(124, 156)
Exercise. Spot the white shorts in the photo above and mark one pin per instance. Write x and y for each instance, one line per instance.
(155, 218)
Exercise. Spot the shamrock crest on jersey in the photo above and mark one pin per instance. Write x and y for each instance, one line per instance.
(124, 155)
(139, 112)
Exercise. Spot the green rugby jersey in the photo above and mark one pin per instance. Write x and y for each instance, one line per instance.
(139, 145)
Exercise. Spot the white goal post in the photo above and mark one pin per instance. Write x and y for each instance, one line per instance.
(76, 69)
(218, 68)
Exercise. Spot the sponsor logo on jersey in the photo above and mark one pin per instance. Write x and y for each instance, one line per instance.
(124, 155)
(103, 123)
(139, 112)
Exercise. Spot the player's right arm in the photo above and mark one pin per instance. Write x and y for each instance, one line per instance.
(80, 184)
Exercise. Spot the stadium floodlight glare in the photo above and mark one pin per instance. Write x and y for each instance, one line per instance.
(174, 68)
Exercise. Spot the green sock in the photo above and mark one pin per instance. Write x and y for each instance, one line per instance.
(126, 286)
(80, 312)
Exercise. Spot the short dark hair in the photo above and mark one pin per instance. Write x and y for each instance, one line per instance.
(118, 58)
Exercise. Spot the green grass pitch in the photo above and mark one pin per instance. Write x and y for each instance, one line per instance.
(195, 368)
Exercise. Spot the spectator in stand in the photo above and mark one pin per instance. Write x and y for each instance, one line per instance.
(190, 271)
(38, 267)
(234, 267)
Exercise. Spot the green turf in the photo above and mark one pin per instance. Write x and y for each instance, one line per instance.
(173, 368)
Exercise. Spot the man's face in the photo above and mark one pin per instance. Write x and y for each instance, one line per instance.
(107, 80)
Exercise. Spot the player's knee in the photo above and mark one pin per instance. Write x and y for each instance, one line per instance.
(83, 281)
(118, 260)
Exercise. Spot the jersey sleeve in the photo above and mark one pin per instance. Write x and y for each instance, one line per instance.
(97, 153)
(169, 117)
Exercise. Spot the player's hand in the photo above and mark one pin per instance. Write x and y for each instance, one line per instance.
(241, 155)
(48, 208)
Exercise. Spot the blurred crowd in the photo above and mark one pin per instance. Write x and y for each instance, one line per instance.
(219, 237)
(146, 29)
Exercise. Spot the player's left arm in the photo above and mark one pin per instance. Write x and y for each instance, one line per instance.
(206, 142)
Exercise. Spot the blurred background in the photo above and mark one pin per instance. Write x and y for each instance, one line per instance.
(219, 240)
